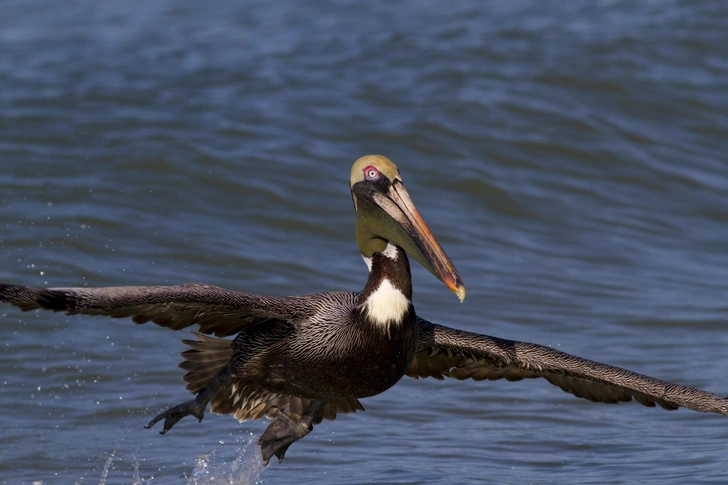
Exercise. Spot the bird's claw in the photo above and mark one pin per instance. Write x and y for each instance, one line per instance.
(174, 414)
(281, 434)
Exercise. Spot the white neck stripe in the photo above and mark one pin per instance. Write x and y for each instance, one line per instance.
(386, 306)
(390, 251)
(368, 262)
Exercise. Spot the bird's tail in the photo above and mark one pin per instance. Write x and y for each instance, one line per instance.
(206, 358)
(244, 400)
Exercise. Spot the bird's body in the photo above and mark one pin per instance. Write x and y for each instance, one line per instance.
(302, 359)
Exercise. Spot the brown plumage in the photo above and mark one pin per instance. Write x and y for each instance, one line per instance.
(302, 359)
(442, 351)
(447, 352)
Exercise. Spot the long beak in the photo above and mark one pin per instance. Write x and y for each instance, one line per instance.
(406, 228)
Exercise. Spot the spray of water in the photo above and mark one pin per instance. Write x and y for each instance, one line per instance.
(243, 470)
(210, 469)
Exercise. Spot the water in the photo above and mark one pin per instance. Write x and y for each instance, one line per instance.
(569, 156)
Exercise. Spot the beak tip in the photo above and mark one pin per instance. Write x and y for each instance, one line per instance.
(460, 292)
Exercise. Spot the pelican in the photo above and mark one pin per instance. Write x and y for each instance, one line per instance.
(301, 359)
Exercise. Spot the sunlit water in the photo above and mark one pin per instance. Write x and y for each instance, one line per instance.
(569, 156)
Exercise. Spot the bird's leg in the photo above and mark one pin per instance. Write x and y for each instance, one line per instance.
(285, 430)
(195, 407)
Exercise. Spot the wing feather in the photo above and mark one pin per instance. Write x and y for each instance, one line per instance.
(446, 352)
(218, 311)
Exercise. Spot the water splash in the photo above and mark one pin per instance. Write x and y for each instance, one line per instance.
(137, 480)
(210, 469)
(243, 470)
(107, 467)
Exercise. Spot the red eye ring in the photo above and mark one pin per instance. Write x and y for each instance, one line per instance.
(371, 173)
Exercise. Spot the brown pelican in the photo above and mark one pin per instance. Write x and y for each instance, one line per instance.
(300, 359)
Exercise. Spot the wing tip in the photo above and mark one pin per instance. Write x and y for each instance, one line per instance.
(24, 297)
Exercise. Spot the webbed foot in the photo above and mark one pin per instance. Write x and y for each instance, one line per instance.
(197, 406)
(174, 414)
(281, 434)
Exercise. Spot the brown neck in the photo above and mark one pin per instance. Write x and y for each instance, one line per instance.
(391, 264)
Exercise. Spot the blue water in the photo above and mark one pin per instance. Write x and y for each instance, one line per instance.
(569, 157)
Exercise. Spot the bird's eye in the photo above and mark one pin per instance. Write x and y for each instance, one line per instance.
(371, 173)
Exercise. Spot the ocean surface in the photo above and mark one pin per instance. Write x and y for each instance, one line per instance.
(569, 156)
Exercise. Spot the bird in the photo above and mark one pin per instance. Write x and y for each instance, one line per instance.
(298, 360)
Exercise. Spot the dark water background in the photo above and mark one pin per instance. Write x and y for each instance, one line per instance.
(569, 156)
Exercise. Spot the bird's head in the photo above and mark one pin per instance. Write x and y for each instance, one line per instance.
(385, 213)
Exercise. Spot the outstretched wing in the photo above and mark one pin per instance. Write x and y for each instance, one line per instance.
(218, 311)
(446, 352)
